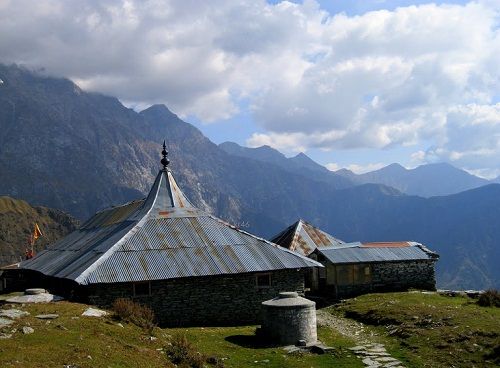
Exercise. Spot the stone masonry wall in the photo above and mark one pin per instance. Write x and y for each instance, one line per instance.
(203, 301)
(394, 276)
(404, 275)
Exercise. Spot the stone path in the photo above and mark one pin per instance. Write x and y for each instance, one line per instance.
(372, 353)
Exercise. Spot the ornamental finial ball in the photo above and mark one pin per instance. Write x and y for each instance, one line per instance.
(164, 161)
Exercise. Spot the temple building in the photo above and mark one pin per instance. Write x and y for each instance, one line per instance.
(190, 267)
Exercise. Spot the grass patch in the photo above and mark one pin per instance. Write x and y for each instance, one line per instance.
(430, 330)
(239, 347)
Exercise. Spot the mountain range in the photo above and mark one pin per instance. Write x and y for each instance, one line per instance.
(80, 152)
(425, 181)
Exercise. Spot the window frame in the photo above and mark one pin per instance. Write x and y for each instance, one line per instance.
(134, 292)
(260, 275)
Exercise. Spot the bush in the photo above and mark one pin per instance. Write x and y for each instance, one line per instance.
(140, 315)
(182, 353)
(490, 298)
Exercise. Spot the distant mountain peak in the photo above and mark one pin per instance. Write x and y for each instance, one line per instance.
(158, 110)
(395, 166)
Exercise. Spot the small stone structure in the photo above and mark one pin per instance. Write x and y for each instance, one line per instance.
(289, 319)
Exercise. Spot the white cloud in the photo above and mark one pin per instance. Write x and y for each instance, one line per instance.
(385, 78)
(356, 168)
(332, 166)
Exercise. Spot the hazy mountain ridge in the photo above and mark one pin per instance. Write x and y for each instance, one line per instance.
(79, 151)
(300, 164)
(426, 180)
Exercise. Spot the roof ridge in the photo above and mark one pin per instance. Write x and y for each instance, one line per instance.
(266, 241)
(82, 278)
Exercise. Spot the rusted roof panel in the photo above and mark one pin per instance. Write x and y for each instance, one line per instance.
(160, 237)
(304, 238)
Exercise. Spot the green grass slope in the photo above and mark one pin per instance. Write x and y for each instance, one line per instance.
(430, 330)
(78, 341)
(419, 329)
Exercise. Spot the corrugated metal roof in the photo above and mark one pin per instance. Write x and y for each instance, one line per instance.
(160, 237)
(388, 244)
(360, 254)
(304, 238)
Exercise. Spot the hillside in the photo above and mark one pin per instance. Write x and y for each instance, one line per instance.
(91, 152)
(17, 219)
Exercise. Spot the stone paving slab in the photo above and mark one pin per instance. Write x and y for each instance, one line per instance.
(13, 313)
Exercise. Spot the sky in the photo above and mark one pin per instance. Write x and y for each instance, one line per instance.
(357, 84)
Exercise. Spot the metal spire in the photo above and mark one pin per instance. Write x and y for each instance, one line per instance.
(164, 161)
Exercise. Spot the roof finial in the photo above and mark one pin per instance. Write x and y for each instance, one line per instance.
(164, 161)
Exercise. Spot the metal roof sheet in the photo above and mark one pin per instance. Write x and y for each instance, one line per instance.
(304, 238)
(360, 254)
(160, 237)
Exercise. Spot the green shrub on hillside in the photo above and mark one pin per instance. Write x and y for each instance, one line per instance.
(184, 354)
(490, 298)
(140, 315)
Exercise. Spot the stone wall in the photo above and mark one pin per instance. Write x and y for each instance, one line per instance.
(392, 276)
(203, 301)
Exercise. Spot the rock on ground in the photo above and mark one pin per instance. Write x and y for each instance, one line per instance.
(47, 316)
(94, 312)
(28, 330)
(38, 298)
(5, 322)
(13, 313)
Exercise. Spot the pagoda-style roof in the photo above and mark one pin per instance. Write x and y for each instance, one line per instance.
(304, 238)
(160, 237)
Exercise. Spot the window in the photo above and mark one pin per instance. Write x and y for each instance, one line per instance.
(344, 274)
(142, 288)
(263, 280)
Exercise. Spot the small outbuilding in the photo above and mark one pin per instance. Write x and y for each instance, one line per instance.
(357, 268)
(190, 267)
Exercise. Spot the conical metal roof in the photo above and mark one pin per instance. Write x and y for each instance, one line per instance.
(304, 238)
(161, 237)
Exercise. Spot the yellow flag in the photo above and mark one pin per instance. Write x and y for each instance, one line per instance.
(37, 232)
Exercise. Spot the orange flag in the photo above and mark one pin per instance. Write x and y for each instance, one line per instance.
(36, 232)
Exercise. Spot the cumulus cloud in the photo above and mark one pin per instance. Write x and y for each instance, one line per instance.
(355, 168)
(416, 74)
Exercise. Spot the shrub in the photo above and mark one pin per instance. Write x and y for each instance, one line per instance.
(184, 354)
(490, 298)
(140, 315)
